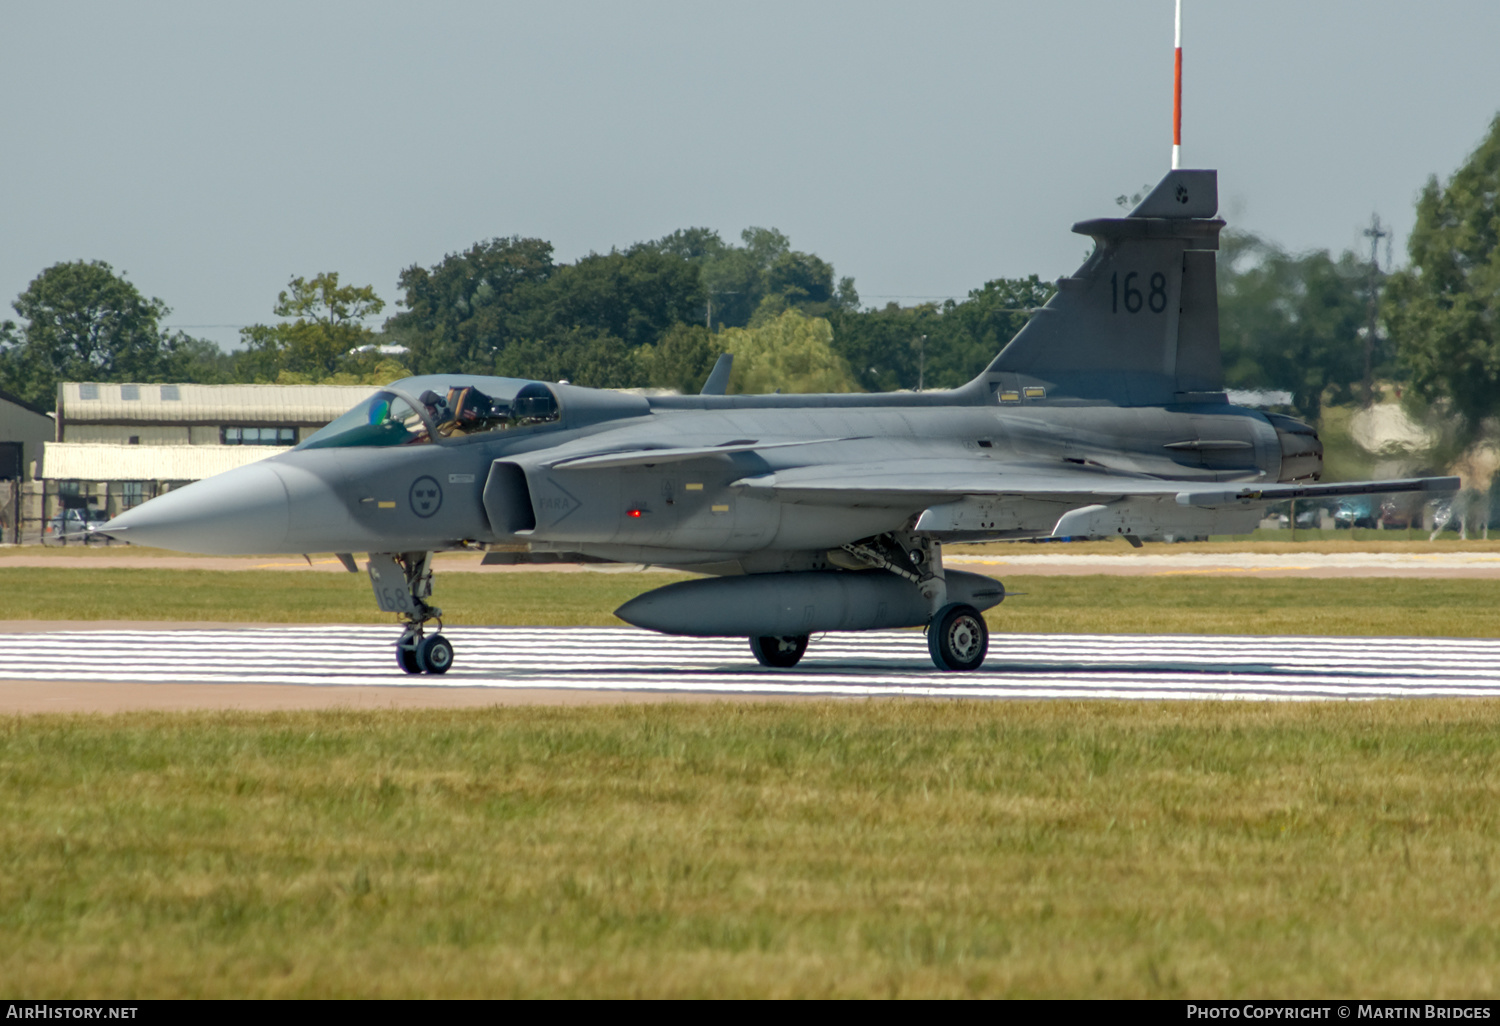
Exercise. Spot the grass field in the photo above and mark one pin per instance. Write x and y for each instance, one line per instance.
(1111, 605)
(854, 849)
(273, 596)
(860, 849)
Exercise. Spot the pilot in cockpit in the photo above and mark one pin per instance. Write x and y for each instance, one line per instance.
(463, 411)
(437, 410)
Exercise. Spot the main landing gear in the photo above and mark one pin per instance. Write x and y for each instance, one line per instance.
(782, 653)
(957, 638)
(403, 584)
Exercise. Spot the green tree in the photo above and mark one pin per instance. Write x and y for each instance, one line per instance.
(1293, 322)
(757, 280)
(196, 360)
(1444, 308)
(975, 330)
(469, 312)
(885, 347)
(938, 345)
(83, 322)
(505, 306)
(802, 278)
(793, 353)
(325, 331)
(634, 296)
(736, 275)
(681, 360)
(581, 356)
(459, 313)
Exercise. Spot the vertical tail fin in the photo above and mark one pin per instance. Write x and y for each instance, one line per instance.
(1138, 323)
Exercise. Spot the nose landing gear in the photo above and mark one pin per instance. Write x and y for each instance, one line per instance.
(418, 654)
(403, 584)
(434, 654)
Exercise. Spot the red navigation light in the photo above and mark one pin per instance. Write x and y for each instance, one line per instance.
(632, 512)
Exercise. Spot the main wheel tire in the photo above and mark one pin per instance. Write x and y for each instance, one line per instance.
(406, 655)
(782, 653)
(434, 654)
(958, 638)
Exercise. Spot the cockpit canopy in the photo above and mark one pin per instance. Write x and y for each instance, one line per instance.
(418, 411)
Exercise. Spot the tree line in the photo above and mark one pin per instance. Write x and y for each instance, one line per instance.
(658, 313)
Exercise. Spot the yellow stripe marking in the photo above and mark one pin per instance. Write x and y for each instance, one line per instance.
(272, 566)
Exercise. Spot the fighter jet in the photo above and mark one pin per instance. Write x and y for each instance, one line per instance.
(1104, 417)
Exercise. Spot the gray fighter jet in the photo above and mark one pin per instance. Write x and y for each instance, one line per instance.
(1104, 417)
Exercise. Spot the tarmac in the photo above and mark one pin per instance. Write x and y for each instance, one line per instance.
(121, 665)
(354, 666)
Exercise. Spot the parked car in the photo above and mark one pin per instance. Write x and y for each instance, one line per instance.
(1354, 513)
(72, 525)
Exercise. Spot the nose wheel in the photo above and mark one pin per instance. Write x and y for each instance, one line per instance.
(406, 656)
(418, 654)
(434, 654)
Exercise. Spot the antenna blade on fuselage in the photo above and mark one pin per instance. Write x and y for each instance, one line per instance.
(718, 378)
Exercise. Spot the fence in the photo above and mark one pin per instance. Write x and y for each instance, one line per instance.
(55, 512)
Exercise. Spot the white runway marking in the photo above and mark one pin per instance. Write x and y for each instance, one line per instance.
(877, 663)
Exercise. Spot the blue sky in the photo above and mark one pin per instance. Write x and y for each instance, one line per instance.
(213, 151)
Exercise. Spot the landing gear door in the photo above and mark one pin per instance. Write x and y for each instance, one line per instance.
(392, 593)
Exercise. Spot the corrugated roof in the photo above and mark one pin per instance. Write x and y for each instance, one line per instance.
(92, 461)
(206, 404)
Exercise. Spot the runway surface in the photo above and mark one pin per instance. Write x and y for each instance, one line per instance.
(892, 663)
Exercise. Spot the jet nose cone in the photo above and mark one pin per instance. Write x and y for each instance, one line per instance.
(239, 512)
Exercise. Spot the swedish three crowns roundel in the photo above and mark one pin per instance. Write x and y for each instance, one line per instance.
(426, 496)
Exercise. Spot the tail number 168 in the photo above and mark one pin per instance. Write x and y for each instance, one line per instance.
(1133, 299)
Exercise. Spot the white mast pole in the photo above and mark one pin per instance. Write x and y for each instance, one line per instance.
(1177, 94)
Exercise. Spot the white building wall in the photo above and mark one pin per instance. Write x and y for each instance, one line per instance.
(109, 462)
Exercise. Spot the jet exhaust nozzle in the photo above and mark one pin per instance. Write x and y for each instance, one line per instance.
(787, 604)
(1301, 449)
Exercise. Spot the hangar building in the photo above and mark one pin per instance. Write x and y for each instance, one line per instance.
(23, 431)
(116, 445)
